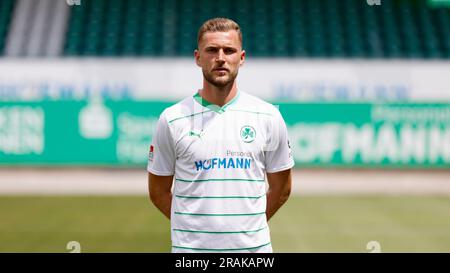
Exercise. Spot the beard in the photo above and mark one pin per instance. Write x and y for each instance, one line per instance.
(220, 82)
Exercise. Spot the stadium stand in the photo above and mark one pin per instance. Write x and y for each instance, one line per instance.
(6, 7)
(273, 28)
(395, 29)
(36, 28)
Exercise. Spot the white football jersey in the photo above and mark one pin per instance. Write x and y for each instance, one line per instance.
(219, 157)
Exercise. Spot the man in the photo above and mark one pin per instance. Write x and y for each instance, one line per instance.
(217, 146)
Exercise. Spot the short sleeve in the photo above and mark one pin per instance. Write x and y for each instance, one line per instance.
(278, 156)
(161, 156)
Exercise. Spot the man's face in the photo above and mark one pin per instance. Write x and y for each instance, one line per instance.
(219, 55)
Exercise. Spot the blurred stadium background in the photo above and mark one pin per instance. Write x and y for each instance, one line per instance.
(364, 86)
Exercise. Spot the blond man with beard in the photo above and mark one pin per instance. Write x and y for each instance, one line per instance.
(216, 148)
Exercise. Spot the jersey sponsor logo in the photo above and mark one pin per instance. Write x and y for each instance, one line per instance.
(248, 134)
(150, 153)
(223, 163)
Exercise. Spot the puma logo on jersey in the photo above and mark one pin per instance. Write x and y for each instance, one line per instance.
(192, 133)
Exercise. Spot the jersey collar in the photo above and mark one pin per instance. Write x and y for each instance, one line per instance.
(214, 107)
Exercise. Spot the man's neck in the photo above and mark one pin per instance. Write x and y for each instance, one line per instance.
(218, 96)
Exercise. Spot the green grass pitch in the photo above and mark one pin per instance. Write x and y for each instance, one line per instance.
(304, 224)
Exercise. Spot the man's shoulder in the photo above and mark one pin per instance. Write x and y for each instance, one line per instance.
(180, 109)
(253, 103)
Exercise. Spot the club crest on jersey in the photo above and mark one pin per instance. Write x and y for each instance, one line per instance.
(248, 134)
(150, 153)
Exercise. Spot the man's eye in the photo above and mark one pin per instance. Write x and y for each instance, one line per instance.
(211, 50)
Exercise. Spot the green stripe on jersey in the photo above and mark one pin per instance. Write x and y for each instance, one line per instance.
(253, 112)
(220, 197)
(219, 214)
(221, 249)
(219, 232)
(188, 116)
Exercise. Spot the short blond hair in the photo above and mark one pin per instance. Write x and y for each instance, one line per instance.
(218, 24)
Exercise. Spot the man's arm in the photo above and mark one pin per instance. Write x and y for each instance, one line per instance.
(159, 188)
(278, 192)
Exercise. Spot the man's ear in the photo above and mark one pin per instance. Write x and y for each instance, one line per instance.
(242, 58)
(197, 57)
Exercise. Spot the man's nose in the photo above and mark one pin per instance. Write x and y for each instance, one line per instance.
(220, 56)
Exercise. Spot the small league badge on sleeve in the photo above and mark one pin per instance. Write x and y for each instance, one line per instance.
(150, 153)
